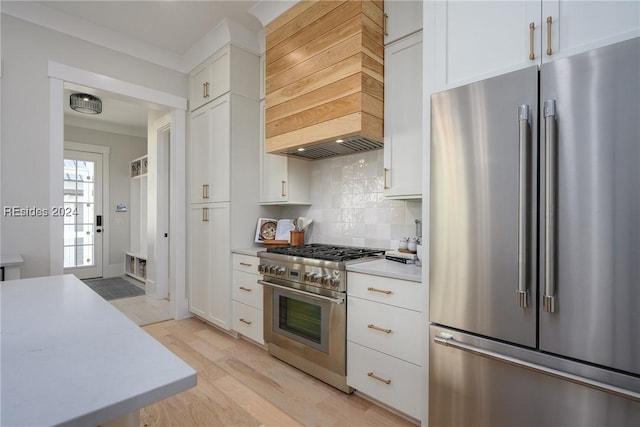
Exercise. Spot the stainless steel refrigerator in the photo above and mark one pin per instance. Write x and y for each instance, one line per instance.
(535, 246)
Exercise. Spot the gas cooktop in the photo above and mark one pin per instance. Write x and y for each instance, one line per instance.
(327, 252)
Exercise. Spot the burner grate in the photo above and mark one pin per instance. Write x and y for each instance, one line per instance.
(327, 252)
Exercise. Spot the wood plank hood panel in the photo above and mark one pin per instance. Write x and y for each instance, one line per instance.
(325, 78)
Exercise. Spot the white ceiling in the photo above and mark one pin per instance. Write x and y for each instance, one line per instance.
(119, 115)
(173, 25)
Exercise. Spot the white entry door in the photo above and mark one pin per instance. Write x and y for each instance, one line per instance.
(83, 220)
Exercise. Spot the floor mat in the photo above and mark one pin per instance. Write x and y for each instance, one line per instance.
(114, 288)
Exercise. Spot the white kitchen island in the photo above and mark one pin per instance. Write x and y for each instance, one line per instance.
(70, 358)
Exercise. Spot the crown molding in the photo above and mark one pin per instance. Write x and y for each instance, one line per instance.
(268, 10)
(227, 31)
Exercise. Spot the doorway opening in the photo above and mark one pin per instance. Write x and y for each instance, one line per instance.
(165, 266)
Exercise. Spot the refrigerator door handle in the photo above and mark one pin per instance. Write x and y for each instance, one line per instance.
(523, 173)
(447, 340)
(549, 297)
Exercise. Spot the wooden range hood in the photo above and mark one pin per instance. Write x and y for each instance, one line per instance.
(325, 79)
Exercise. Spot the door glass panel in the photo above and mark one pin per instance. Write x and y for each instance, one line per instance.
(79, 213)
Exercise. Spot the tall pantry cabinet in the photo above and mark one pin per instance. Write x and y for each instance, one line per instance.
(223, 175)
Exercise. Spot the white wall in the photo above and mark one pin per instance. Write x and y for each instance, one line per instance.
(26, 50)
(349, 207)
(123, 149)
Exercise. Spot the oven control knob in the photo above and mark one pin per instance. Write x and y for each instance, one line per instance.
(316, 278)
(325, 280)
(272, 269)
(335, 281)
(280, 271)
(308, 277)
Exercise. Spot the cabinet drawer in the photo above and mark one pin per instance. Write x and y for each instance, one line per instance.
(246, 289)
(401, 293)
(246, 263)
(404, 390)
(391, 330)
(248, 321)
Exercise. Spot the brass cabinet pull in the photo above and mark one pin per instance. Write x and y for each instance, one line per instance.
(284, 192)
(549, 50)
(246, 264)
(385, 25)
(248, 322)
(205, 88)
(205, 191)
(382, 291)
(245, 289)
(532, 28)
(386, 172)
(205, 214)
(377, 328)
(375, 377)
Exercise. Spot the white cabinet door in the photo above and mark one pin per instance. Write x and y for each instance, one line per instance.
(403, 137)
(220, 141)
(210, 152)
(385, 328)
(220, 262)
(199, 86)
(273, 169)
(199, 261)
(220, 73)
(210, 263)
(578, 26)
(385, 378)
(283, 180)
(402, 17)
(199, 153)
(475, 40)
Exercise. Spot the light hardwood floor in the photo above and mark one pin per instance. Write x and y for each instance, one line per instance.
(240, 384)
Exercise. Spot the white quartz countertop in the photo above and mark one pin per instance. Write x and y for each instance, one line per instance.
(253, 251)
(71, 358)
(386, 268)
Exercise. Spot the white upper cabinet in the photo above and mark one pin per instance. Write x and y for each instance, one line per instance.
(283, 180)
(578, 26)
(403, 137)
(476, 40)
(214, 78)
(401, 18)
(210, 153)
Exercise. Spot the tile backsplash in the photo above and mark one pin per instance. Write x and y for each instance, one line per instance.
(349, 207)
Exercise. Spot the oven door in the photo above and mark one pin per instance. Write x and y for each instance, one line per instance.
(304, 325)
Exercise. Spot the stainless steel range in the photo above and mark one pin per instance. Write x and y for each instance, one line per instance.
(305, 308)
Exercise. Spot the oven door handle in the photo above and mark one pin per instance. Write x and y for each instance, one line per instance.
(299, 292)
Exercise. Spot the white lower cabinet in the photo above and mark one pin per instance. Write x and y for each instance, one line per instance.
(247, 297)
(209, 293)
(247, 321)
(390, 330)
(388, 379)
(384, 351)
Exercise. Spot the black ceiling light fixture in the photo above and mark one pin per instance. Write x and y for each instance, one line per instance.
(85, 103)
